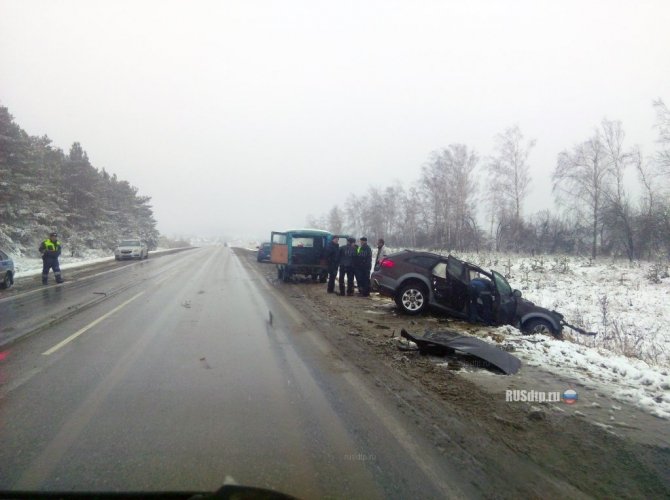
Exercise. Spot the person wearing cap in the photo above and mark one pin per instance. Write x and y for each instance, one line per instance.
(50, 250)
(363, 263)
(346, 261)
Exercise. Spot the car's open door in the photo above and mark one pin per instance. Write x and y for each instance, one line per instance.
(449, 286)
(504, 303)
(279, 248)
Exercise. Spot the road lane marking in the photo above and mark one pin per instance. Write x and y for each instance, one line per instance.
(90, 325)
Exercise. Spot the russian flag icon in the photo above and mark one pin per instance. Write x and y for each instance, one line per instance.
(570, 396)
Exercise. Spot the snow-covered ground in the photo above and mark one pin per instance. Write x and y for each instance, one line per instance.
(30, 266)
(626, 304)
(624, 378)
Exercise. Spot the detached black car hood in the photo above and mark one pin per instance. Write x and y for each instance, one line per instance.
(446, 342)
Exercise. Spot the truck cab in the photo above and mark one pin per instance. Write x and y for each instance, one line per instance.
(301, 252)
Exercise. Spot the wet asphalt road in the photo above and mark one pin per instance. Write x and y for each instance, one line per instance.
(176, 380)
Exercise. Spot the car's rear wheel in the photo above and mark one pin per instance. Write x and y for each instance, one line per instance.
(412, 298)
(6, 281)
(538, 325)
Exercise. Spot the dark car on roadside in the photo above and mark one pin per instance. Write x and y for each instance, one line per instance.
(6, 270)
(419, 280)
(264, 251)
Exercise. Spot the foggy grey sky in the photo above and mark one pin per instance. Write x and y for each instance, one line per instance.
(243, 117)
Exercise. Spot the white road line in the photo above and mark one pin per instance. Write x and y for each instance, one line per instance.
(89, 326)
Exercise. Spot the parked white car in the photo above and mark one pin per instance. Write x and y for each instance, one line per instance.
(131, 249)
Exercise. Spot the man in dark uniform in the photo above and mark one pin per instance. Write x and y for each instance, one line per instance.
(50, 250)
(363, 264)
(332, 255)
(347, 254)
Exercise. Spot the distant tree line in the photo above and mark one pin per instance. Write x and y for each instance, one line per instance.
(43, 189)
(598, 212)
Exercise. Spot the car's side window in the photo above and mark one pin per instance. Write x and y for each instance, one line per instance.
(455, 268)
(422, 261)
(440, 270)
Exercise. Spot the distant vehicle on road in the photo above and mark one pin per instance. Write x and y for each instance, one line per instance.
(301, 252)
(6, 270)
(264, 251)
(417, 280)
(131, 249)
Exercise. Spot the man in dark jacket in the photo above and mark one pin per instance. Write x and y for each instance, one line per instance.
(332, 255)
(363, 264)
(50, 250)
(347, 254)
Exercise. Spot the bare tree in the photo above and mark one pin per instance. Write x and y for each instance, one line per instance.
(461, 165)
(510, 170)
(353, 214)
(411, 222)
(582, 175)
(335, 220)
(617, 160)
(448, 188)
(433, 186)
(663, 126)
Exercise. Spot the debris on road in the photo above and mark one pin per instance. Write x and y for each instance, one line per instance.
(450, 342)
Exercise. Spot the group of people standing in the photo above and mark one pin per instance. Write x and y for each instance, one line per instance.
(354, 262)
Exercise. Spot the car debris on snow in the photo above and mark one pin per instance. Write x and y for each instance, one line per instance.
(450, 342)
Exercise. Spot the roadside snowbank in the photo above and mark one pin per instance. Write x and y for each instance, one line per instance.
(626, 304)
(624, 378)
(27, 266)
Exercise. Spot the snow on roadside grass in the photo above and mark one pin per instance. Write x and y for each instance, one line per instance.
(626, 379)
(629, 358)
(31, 266)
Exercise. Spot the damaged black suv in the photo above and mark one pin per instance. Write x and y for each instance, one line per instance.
(417, 280)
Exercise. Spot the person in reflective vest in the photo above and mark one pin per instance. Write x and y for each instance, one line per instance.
(50, 250)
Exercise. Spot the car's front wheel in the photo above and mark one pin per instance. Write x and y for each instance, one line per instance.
(539, 325)
(412, 298)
